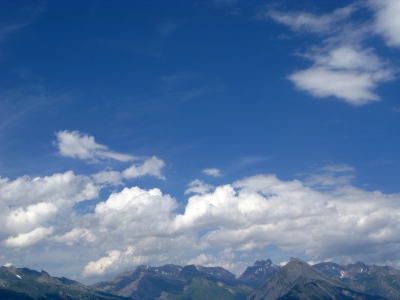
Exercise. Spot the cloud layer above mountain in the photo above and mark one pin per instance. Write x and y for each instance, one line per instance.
(324, 216)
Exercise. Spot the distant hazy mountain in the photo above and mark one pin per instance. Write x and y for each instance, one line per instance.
(258, 273)
(26, 284)
(373, 280)
(264, 280)
(175, 282)
(299, 280)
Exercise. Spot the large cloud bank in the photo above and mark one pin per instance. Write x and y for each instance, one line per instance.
(324, 217)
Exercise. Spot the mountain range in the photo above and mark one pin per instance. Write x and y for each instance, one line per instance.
(264, 280)
(26, 284)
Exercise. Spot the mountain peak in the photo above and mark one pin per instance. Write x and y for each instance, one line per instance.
(298, 260)
(295, 272)
(263, 263)
(259, 272)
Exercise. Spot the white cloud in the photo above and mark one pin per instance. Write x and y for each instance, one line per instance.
(113, 261)
(27, 219)
(342, 67)
(310, 22)
(339, 168)
(348, 57)
(101, 266)
(28, 203)
(202, 260)
(344, 72)
(73, 236)
(332, 175)
(28, 239)
(108, 176)
(355, 88)
(340, 223)
(83, 146)
(212, 172)
(131, 214)
(199, 187)
(387, 20)
(224, 259)
(151, 166)
(60, 186)
(249, 214)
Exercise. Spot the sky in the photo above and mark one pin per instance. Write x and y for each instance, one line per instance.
(198, 132)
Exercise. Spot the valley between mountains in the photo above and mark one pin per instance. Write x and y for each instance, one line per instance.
(264, 280)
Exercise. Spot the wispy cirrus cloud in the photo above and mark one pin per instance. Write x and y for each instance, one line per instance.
(27, 15)
(83, 146)
(342, 66)
(303, 21)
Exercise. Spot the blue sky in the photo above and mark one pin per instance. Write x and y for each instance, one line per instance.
(205, 132)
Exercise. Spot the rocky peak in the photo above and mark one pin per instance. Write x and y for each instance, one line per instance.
(259, 272)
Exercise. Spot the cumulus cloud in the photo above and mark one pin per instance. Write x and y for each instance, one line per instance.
(249, 214)
(83, 146)
(134, 225)
(202, 260)
(224, 259)
(151, 166)
(212, 172)
(29, 206)
(60, 186)
(75, 235)
(342, 67)
(100, 266)
(26, 219)
(113, 261)
(28, 239)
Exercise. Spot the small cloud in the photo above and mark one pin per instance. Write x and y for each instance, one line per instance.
(108, 176)
(212, 172)
(151, 166)
(396, 109)
(198, 187)
(202, 260)
(339, 168)
(345, 72)
(83, 146)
